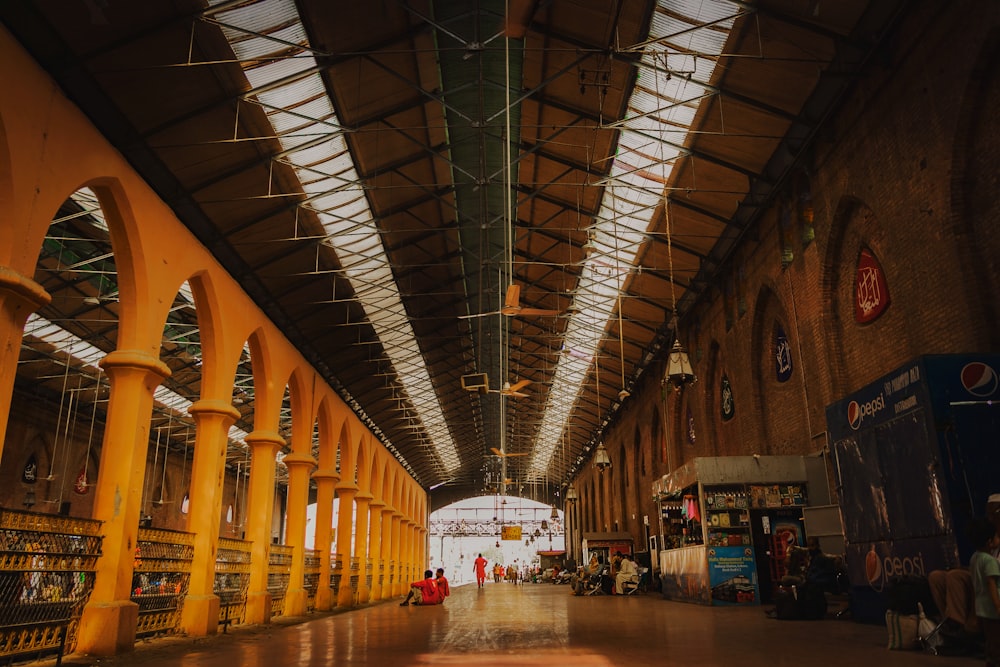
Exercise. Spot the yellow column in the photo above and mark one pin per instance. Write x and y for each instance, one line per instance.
(346, 491)
(325, 482)
(406, 537)
(19, 297)
(422, 546)
(385, 551)
(200, 614)
(361, 543)
(109, 618)
(397, 552)
(299, 467)
(375, 510)
(264, 446)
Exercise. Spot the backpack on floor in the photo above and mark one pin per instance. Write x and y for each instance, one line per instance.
(792, 603)
(786, 604)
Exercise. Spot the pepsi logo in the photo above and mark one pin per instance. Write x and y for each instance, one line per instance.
(979, 379)
(854, 415)
(856, 412)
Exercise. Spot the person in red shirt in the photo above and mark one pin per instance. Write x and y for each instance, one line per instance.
(480, 567)
(444, 590)
(423, 592)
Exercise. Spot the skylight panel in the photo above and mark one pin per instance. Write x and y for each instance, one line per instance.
(287, 86)
(678, 58)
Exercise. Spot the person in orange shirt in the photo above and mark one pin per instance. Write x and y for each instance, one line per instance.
(423, 592)
(444, 590)
(480, 568)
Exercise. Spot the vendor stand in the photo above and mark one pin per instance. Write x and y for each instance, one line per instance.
(605, 544)
(727, 522)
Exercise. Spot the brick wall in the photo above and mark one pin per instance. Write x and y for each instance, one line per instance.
(908, 167)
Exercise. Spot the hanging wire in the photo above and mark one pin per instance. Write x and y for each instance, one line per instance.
(149, 478)
(62, 399)
(666, 217)
(620, 285)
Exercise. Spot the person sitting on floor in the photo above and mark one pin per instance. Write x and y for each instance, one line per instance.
(423, 592)
(953, 594)
(444, 589)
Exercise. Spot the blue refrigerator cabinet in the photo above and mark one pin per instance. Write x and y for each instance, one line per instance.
(917, 454)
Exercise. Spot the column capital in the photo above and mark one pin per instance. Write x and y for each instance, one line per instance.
(363, 495)
(212, 406)
(134, 359)
(347, 486)
(272, 438)
(298, 459)
(322, 474)
(376, 504)
(23, 288)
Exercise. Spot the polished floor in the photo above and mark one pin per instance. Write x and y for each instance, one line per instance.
(534, 624)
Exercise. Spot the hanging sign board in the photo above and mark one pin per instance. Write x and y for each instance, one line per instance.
(30, 473)
(510, 533)
(81, 486)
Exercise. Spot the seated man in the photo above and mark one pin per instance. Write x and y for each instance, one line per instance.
(952, 589)
(423, 592)
(588, 577)
(627, 572)
(444, 589)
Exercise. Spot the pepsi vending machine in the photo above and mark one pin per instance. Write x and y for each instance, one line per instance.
(916, 455)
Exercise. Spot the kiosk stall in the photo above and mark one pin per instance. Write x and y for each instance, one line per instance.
(727, 522)
(916, 458)
(605, 544)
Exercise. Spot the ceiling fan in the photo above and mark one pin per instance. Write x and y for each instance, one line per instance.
(512, 307)
(480, 382)
(497, 452)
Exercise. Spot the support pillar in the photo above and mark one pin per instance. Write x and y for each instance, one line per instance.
(375, 548)
(385, 550)
(212, 418)
(19, 297)
(345, 492)
(264, 447)
(397, 552)
(406, 536)
(326, 480)
(299, 466)
(423, 558)
(361, 543)
(108, 624)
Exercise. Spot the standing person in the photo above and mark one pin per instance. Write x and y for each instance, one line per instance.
(424, 591)
(444, 590)
(479, 565)
(985, 570)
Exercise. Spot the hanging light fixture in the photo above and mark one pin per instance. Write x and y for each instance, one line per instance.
(601, 459)
(555, 513)
(571, 494)
(679, 371)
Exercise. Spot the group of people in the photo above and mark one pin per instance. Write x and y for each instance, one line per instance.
(432, 589)
(968, 598)
(612, 578)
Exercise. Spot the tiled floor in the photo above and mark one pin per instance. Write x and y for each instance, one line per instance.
(535, 624)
